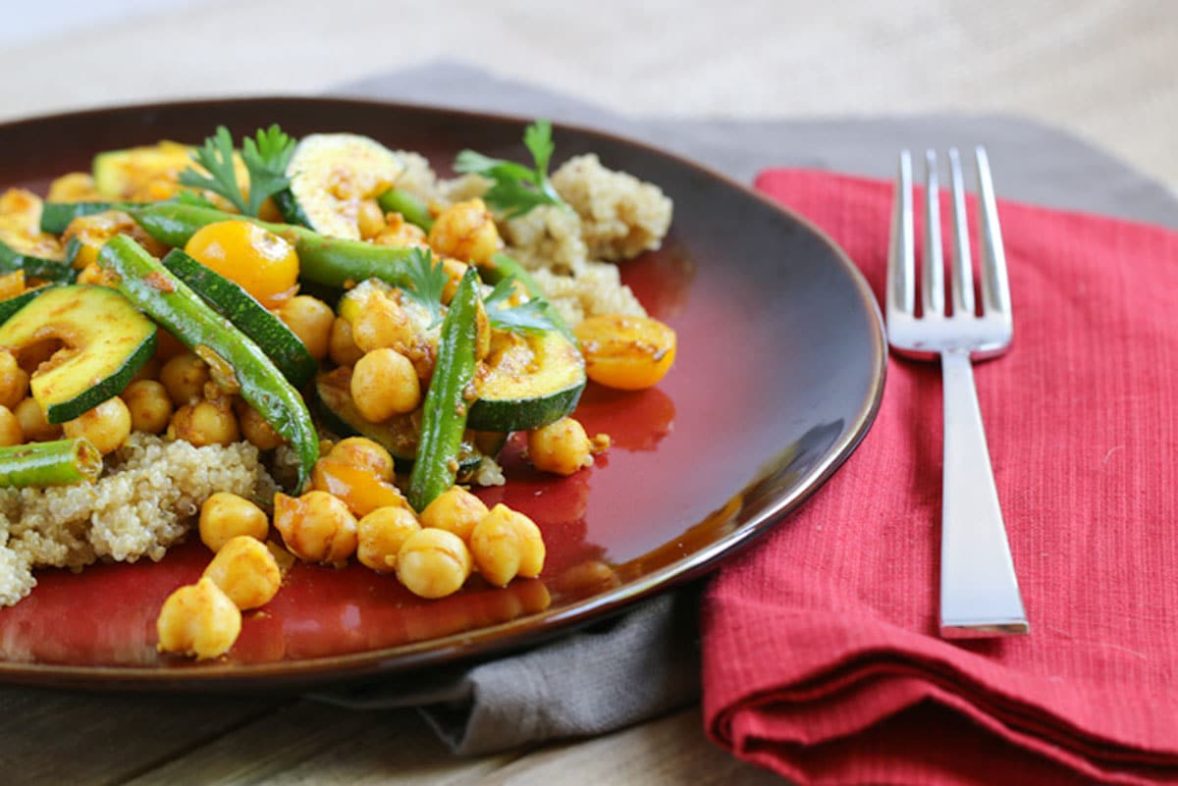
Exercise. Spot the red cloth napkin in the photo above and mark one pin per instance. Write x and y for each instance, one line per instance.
(821, 659)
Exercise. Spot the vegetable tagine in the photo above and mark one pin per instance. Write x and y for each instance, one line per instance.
(315, 337)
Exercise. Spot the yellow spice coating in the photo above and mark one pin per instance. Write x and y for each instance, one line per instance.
(246, 572)
(198, 619)
(455, 510)
(381, 534)
(225, 517)
(433, 563)
(506, 544)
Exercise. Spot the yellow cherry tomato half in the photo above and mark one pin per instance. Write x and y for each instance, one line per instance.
(624, 352)
(261, 262)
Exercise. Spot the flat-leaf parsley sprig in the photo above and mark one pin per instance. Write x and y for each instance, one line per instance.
(266, 157)
(516, 188)
(426, 281)
(531, 316)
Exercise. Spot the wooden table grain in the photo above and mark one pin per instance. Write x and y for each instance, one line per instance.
(1102, 70)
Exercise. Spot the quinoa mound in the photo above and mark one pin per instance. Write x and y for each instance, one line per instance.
(145, 503)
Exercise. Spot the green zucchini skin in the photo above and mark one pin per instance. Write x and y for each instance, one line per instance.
(111, 338)
(507, 404)
(524, 414)
(288, 206)
(266, 330)
(413, 209)
(444, 412)
(17, 302)
(169, 301)
(330, 262)
(63, 462)
(56, 216)
(34, 267)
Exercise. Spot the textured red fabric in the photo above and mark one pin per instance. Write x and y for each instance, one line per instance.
(821, 658)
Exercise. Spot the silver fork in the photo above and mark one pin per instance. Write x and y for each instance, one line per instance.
(979, 591)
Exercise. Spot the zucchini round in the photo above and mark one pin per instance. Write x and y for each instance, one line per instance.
(108, 338)
(249, 316)
(320, 165)
(531, 380)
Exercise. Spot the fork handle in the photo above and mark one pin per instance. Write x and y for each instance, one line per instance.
(979, 590)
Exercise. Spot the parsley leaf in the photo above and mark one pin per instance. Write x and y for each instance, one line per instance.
(535, 315)
(266, 157)
(516, 188)
(216, 156)
(427, 279)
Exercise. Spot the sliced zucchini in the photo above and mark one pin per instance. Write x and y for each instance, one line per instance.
(34, 267)
(10, 306)
(329, 176)
(150, 172)
(56, 216)
(229, 300)
(399, 435)
(106, 340)
(235, 362)
(531, 380)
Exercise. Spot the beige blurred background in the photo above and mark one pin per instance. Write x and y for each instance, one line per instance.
(1103, 69)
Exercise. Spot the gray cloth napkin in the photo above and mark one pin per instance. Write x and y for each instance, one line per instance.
(646, 662)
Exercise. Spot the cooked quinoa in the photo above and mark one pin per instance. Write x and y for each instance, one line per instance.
(145, 503)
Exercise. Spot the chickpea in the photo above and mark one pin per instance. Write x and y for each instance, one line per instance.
(455, 270)
(310, 319)
(316, 527)
(255, 429)
(454, 510)
(433, 563)
(369, 219)
(184, 376)
(380, 536)
(400, 233)
(97, 276)
(199, 620)
(507, 544)
(466, 230)
(205, 423)
(562, 447)
(341, 347)
(10, 432)
(151, 409)
(382, 323)
(246, 571)
(33, 423)
(225, 516)
(363, 452)
(14, 381)
(108, 425)
(149, 370)
(384, 383)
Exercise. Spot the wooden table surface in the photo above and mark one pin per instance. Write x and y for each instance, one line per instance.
(1101, 70)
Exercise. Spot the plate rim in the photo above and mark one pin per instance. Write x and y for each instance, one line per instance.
(492, 640)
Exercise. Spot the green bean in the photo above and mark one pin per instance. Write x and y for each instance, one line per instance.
(61, 463)
(444, 413)
(413, 209)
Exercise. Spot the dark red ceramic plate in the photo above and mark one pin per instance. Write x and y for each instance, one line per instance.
(779, 373)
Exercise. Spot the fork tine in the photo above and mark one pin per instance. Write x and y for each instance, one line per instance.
(962, 269)
(901, 285)
(933, 288)
(995, 285)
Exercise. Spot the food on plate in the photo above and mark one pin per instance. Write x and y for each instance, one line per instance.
(320, 335)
